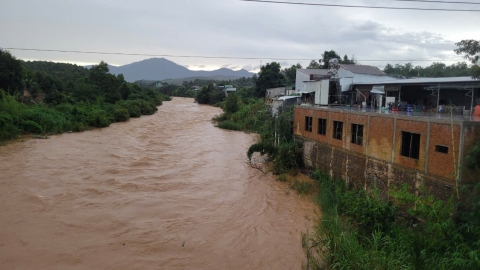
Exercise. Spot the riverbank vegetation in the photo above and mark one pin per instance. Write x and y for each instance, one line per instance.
(363, 229)
(243, 112)
(360, 230)
(49, 98)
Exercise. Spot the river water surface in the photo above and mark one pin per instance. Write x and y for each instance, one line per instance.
(166, 191)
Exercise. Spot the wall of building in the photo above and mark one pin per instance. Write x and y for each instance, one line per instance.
(299, 79)
(378, 162)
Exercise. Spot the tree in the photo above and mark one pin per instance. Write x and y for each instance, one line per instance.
(203, 97)
(327, 55)
(10, 72)
(269, 77)
(471, 49)
(291, 73)
(314, 65)
(231, 104)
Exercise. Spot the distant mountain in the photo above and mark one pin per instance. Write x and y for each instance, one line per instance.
(179, 81)
(161, 69)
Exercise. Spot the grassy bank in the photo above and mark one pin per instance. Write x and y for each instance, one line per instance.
(358, 230)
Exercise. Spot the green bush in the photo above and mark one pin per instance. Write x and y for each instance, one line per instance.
(360, 231)
(7, 129)
(228, 124)
(121, 115)
(302, 187)
(99, 118)
(33, 127)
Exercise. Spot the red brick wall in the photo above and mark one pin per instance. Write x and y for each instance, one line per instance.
(299, 122)
(361, 120)
(380, 138)
(439, 163)
(413, 127)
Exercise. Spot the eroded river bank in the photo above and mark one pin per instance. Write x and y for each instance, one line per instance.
(166, 191)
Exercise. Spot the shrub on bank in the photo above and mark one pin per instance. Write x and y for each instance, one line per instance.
(358, 230)
(228, 124)
(16, 117)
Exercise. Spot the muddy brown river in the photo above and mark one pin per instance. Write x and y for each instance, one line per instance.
(166, 191)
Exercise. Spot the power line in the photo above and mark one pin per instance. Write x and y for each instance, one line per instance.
(218, 57)
(440, 2)
(353, 6)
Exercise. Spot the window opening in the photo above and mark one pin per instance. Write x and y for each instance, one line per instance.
(357, 134)
(441, 149)
(337, 130)
(308, 123)
(410, 145)
(322, 126)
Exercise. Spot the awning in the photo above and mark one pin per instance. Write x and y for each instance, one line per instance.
(378, 89)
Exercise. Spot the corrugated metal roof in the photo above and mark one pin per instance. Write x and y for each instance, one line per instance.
(423, 81)
(362, 69)
(314, 71)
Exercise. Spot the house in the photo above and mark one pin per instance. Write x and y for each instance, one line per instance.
(283, 102)
(275, 92)
(372, 148)
(158, 84)
(229, 90)
(420, 93)
(340, 79)
(195, 88)
(303, 75)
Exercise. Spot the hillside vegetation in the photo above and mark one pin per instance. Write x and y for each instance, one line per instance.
(50, 98)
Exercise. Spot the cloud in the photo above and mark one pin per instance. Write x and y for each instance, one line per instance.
(227, 28)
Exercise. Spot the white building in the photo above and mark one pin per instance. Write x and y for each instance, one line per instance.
(349, 74)
(311, 83)
(304, 75)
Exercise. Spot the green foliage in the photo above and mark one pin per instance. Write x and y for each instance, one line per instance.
(302, 187)
(436, 69)
(471, 49)
(326, 56)
(10, 72)
(262, 148)
(277, 142)
(291, 73)
(360, 231)
(231, 104)
(228, 124)
(269, 77)
(121, 114)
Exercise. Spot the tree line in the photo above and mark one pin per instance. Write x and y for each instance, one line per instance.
(46, 98)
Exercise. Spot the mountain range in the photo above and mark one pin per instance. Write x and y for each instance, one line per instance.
(162, 69)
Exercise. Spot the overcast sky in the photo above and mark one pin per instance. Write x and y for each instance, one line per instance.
(233, 28)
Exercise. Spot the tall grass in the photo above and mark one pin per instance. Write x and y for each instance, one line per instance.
(358, 230)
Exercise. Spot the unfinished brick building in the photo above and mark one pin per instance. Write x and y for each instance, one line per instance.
(380, 148)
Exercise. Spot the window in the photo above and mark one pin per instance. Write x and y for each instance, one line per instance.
(410, 145)
(308, 123)
(322, 126)
(441, 149)
(337, 130)
(357, 134)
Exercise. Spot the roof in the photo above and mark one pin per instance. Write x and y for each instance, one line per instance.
(288, 97)
(424, 81)
(230, 89)
(314, 71)
(362, 69)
